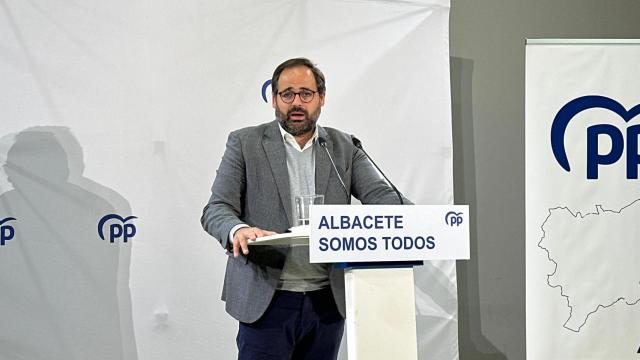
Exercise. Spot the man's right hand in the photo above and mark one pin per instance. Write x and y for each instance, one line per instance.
(242, 237)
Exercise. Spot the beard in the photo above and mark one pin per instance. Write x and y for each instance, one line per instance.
(297, 128)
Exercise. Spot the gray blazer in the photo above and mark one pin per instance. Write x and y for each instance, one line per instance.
(252, 187)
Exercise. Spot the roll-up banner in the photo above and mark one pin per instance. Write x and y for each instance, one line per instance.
(582, 199)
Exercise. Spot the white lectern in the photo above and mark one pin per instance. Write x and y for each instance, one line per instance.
(378, 247)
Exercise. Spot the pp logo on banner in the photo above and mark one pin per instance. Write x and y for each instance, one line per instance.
(453, 218)
(597, 132)
(7, 232)
(117, 229)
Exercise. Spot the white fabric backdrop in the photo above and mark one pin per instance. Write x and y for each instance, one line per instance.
(583, 298)
(141, 96)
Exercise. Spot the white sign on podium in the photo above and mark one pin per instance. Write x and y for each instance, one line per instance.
(365, 233)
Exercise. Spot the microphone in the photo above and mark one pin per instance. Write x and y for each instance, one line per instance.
(357, 143)
(323, 142)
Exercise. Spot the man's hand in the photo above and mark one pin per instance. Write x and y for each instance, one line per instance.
(242, 237)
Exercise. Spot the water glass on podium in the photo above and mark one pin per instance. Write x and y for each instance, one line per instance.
(302, 207)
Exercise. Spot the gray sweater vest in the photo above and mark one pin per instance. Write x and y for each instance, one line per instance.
(298, 274)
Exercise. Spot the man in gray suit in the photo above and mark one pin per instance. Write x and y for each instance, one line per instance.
(287, 307)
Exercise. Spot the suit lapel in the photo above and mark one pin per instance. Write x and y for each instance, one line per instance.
(323, 164)
(274, 149)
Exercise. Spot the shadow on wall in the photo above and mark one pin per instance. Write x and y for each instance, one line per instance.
(472, 343)
(65, 291)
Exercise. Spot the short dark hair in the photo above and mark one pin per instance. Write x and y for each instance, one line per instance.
(317, 74)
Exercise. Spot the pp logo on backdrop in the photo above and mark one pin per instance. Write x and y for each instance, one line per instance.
(7, 232)
(453, 218)
(264, 90)
(118, 228)
(597, 132)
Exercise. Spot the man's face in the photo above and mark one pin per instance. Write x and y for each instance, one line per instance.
(297, 118)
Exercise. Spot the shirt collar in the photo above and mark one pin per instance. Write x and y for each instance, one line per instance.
(290, 139)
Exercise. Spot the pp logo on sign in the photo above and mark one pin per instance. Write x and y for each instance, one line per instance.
(118, 229)
(596, 132)
(453, 218)
(7, 232)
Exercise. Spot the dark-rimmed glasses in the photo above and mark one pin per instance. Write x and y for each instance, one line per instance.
(288, 96)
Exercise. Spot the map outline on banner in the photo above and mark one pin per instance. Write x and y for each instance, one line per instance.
(599, 211)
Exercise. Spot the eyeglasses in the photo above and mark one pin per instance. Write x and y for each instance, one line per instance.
(288, 96)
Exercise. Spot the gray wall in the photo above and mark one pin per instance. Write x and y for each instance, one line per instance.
(487, 79)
